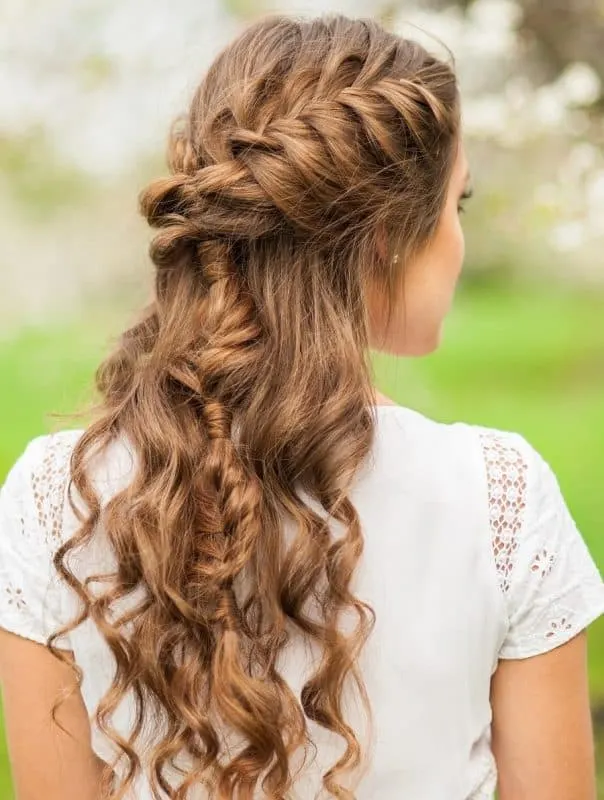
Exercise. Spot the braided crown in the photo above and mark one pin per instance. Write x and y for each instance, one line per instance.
(314, 133)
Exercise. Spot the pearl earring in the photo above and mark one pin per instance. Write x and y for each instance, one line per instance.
(395, 259)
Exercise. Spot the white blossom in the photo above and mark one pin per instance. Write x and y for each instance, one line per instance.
(568, 236)
(580, 84)
(582, 157)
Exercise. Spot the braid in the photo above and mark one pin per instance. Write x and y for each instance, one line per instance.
(280, 175)
(288, 169)
(245, 391)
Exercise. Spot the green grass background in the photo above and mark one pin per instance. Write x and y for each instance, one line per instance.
(522, 358)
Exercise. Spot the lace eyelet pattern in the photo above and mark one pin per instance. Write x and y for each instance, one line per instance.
(507, 482)
(559, 625)
(542, 563)
(48, 484)
(15, 598)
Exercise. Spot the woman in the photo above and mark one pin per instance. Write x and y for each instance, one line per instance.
(257, 576)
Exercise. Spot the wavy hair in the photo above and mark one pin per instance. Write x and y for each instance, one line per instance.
(245, 393)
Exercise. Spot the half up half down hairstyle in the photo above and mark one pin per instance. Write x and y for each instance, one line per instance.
(245, 393)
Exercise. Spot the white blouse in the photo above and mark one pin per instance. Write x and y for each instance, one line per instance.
(471, 556)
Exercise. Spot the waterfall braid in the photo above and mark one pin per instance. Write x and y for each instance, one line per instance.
(246, 395)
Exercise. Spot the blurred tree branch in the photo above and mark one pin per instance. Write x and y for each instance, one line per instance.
(563, 31)
(567, 31)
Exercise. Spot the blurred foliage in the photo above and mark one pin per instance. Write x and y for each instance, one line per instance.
(96, 69)
(561, 33)
(245, 9)
(35, 179)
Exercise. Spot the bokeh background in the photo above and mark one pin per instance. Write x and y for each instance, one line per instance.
(87, 90)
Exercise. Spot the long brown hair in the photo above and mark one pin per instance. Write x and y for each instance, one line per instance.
(245, 393)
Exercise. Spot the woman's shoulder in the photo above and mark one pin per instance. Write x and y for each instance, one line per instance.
(493, 473)
(551, 586)
(38, 479)
(36, 519)
(455, 444)
(38, 475)
(31, 530)
(42, 470)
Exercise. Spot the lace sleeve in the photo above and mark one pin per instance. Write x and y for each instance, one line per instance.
(31, 506)
(551, 585)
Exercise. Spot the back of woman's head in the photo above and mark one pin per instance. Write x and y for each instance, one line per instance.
(245, 391)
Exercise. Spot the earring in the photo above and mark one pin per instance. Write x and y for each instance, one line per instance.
(395, 259)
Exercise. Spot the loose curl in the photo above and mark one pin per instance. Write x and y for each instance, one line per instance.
(245, 392)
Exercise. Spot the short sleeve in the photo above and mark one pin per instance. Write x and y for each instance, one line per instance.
(551, 585)
(31, 504)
